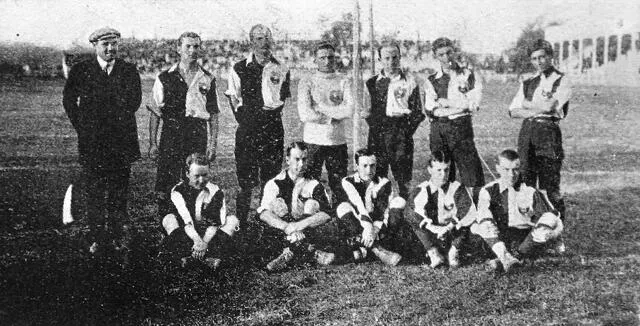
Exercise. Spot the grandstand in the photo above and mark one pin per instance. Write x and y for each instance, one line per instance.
(601, 50)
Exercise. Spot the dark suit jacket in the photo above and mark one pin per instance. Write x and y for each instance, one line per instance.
(102, 110)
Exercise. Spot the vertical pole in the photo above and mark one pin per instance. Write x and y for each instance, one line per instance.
(372, 39)
(357, 78)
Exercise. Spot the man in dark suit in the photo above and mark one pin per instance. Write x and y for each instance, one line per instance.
(101, 97)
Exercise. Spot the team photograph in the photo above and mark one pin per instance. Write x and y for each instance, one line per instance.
(362, 162)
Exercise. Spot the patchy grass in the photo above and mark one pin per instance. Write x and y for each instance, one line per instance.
(46, 279)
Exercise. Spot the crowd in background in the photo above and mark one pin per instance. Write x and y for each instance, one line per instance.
(153, 56)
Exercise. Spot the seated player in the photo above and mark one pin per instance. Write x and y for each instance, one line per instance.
(297, 207)
(198, 225)
(444, 217)
(524, 217)
(366, 209)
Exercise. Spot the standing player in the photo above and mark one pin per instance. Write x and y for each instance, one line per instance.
(258, 87)
(198, 225)
(187, 99)
(542, 101)
(367, 209)
(324, 102)
(297, 207)
(101, 98)
(394, 116)
(445, 216)
(452, 95)
(525, 219)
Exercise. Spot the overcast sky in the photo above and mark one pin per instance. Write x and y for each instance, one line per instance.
(483, 26)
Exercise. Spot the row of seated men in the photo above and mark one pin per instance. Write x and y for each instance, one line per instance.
(513, 221)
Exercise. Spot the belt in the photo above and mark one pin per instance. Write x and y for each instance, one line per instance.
(447, 119)
(545, 119)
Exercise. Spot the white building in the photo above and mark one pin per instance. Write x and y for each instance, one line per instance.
(602, 50)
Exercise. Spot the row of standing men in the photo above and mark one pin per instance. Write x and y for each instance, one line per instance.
(186, 99)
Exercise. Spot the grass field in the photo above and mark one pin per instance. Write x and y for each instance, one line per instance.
(46, 279)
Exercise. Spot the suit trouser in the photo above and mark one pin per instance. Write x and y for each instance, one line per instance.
(541, 154)
(105, 194)
(455, 137)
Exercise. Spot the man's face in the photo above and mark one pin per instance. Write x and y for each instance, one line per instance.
(541, 60)
(107, 49)
(444, 55)
(509, 171)
(189, 49)
(297, 162)
(390, 59)
(366, 167)
(198, 176)
(326, 60)
(439, 173)
(261, 41)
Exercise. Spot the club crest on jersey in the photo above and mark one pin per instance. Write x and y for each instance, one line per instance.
(546, 94)
(400, 92)
(275, 78)
(336, 97)
(203, 89)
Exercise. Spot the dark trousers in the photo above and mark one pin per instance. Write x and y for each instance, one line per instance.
(258, 159)
(105, 195)
(393, 149)
(178, 244)
(321, 237)
(520, 243)
(459, 238)
(455, 137)
(541, 154)
(350, 230)
(178, 140)
(335, 158)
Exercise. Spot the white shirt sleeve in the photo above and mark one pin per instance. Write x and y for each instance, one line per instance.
(430, 96)
(270, 194)
(517, 101)
(484, 200)
(305, 103)
(234, 88)
(158, 93)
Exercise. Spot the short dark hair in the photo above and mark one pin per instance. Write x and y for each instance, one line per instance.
(509, 155)
(196, 158)
(441, 42)
(440, 157)
(295, 144)
(363, 152)
(388, 45)
(255, 27)
(325, 46)
(541, 44)
(189, 35)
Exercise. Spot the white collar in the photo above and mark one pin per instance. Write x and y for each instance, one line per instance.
(251, 55)
(382, 75)
(103, 63)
